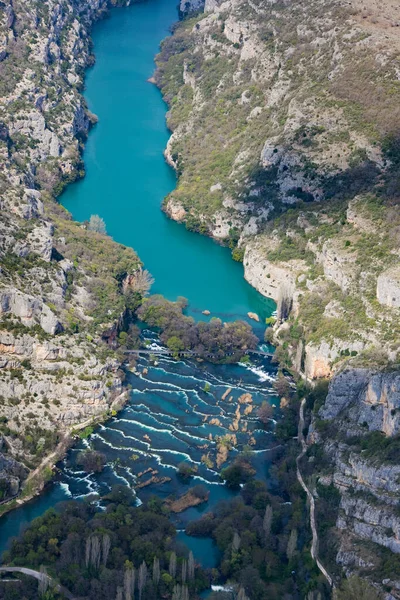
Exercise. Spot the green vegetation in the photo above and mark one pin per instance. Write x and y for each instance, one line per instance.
(378, 447)
(91, 461)
(214, 341)
(95, 554)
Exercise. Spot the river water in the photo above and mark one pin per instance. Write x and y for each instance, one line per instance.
(167, 419)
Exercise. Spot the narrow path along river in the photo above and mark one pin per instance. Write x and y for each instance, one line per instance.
(172, 403)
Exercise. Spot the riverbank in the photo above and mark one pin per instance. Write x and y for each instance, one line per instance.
(41, 475)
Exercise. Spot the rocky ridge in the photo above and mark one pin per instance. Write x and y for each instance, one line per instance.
(61, 285)
(284, 155)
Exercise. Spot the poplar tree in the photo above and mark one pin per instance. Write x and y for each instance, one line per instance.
(156, 571)
(172, 565)
(267, 522)
(184, 571)
(142, 579)
(191, 566)
(129, 580)
(292, 544)
(106, 547)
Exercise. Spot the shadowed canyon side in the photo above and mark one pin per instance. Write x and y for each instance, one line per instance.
(285, 121)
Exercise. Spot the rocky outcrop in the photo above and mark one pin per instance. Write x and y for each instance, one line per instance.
(368, 398)
(388, 288)
(29, 310)
(361, 404)
(12, 474)
(268, 277)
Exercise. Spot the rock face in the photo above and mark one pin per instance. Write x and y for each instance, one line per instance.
(12, 474)
(388, 288)
(361, 404)
(54, 370)
(268, 277)
(29, 310)
(367, 398)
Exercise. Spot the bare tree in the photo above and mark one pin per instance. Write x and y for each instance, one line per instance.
(129, 581)
(185, 593)
(180, 592)
(88, 549)
(106, 547)
(142, 579)
(191, 566)
(156, 571)
(139, 281)
(177, 593)
(97, 224)
(264, 412)
(120, 593)
(172, 564)
(95, 552)
(292, 544)
(267, 521)
(184, 571)
(236, 542)
(242, 594)
(43, 581)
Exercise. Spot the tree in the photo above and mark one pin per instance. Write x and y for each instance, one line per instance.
(186, 470)
(129, 581)
(184, 571)
(156, 571)
(267, 521)
(91, 461)
(264, 413)
(200, 491)
(142, 578)
(172, 564)
(140, 281)
(106, 543)
(97, 224)
(43, 581)
(120, 494)
(292, 544)
(176, 345)
(236, 542)
(191, 566)
(282, 386)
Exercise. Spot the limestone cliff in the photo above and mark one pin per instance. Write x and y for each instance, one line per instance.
(354, 444)
(285, 121)
(60, 284)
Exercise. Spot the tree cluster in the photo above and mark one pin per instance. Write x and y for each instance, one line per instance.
(123, 553)
(214, 340)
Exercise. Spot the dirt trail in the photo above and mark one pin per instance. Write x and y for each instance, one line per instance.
(40, 577)
(314, 545)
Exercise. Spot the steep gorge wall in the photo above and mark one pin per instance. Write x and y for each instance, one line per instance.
(285, 121)
(60, 284)
(357, 429)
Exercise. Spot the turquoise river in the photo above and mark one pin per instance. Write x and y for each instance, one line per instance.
(167, 419)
